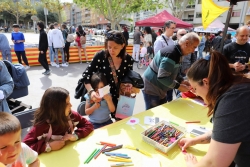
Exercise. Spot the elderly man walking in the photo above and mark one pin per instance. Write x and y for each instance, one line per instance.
(161, 74)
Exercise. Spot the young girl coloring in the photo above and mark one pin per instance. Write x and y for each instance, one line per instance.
(55, 122)
(99, 112)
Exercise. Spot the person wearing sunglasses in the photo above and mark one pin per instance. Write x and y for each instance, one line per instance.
(113, 57)
(238, 53)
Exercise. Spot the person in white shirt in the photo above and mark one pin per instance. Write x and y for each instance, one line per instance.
(58, 44)
(165, 39)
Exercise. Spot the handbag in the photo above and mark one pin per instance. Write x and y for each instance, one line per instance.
(125, 107)
(134, 78)
(80, 89)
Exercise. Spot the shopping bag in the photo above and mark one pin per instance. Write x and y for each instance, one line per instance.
(125, 107)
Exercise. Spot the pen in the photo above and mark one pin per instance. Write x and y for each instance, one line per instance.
(90, 156)
(123, 164)
(112, 148)
(143, 152)
(115, 154)
(193, 122)
(100, 151)
(118, 156)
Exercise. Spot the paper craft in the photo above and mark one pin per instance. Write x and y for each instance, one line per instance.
(103, 91)
(152, 120)
(133, 121)
(149, 162)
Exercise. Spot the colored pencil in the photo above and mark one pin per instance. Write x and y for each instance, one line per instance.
(115, 154)
(100, 151)
(112, 148)
(173, 123)
(106, 143)
(119, 160)
(190, 122)
(90, 156)
(93, 155)
(123, 164)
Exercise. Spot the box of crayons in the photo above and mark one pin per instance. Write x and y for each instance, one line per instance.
(164, 135)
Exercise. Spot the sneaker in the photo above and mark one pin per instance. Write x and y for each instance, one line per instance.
(47, 72)
(44, 72)
(53, 64)
(57, 65)
(27, 67)
(64, 65)
(67, 63)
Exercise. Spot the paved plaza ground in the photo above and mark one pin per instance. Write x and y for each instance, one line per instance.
(63, 77)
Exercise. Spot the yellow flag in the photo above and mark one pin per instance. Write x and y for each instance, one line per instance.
(210, 11)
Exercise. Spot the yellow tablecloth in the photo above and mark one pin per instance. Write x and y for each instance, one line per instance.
(179, 111)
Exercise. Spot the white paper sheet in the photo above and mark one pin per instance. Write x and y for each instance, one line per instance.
(103, 91)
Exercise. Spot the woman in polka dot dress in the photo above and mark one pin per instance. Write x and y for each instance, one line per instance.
(115, 47)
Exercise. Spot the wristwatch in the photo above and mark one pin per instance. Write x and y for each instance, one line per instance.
(48, 148)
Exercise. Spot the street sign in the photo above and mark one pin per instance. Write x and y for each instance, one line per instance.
(34, 18)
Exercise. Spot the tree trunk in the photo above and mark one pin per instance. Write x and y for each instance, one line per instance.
(112, 24)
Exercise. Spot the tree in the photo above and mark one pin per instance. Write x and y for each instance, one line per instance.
(178, 6)
(117, 10)
(54, 6)
(52, 17)
(17, 8)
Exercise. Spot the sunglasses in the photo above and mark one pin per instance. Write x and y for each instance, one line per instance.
(182, 34)
(114, 36)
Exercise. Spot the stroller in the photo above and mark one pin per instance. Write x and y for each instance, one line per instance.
(21, 83)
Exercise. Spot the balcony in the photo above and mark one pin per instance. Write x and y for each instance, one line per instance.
(190, 8)
(188, 19)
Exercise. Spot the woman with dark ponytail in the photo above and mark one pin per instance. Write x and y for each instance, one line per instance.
(227, 96)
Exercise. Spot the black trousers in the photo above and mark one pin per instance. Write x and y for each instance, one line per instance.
(66, 51)
(23, 54)
(43, 60)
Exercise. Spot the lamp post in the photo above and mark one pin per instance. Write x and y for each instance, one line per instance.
(46, 12)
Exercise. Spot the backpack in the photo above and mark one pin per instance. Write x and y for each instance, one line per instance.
(70, 38)
(83, 39)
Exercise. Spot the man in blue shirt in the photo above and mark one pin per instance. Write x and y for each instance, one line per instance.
(18, 39)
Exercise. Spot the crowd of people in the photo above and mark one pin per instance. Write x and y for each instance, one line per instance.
(219, 80)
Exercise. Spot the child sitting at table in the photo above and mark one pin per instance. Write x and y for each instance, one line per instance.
(99, 113)
(55, 122)
(14, 153)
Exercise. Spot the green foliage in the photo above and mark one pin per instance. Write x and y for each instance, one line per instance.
(18, 8)
(52, 17)
(117, 10)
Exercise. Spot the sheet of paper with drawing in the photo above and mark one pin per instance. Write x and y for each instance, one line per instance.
(103, 91)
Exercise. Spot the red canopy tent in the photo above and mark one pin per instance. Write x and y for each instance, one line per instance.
(159, 20)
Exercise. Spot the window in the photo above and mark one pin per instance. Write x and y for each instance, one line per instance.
(236, 13)
(198, 15)
(199, 1)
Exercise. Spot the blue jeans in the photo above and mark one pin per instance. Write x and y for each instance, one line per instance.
(56, 55)
(153, 101)
(51, 54)
(99, 125)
